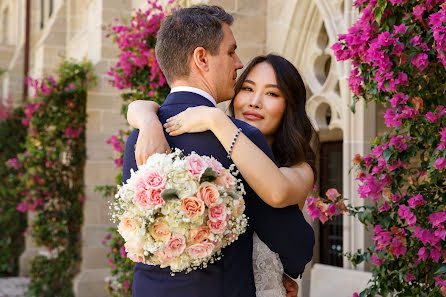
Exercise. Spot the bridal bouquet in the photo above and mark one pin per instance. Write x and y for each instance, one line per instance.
(178, 211)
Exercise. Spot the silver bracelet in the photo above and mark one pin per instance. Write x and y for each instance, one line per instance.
(233, 142)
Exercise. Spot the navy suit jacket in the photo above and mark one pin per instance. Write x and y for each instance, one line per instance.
(283, 230)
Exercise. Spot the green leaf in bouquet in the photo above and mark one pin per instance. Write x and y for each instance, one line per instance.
(232, 195)
(208, 175)
(169, 194)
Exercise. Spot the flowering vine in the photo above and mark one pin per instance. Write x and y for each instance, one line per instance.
(397, 49)
(13, 225)
(52, 184)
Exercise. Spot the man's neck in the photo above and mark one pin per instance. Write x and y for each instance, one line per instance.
(193, 84)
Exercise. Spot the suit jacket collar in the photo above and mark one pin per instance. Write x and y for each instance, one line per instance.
(188, 98)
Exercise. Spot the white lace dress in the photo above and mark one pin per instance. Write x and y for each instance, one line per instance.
(268, 270)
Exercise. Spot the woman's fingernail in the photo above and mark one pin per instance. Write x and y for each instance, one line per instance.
(168, 120)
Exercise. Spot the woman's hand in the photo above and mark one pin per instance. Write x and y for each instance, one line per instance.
(151, 140)
(291, 287)
(193, 120)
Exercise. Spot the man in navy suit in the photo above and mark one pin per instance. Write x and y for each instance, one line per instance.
(196, 51)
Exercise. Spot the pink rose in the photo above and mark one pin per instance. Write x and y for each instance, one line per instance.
(199, 234)
(148, 199)
(152, 179)
(195, 165)
(192, 207)
(239, 207)
(209, 194)
(217, 213)
(135, 258)
(217, 227)
(160, 231)
(226, 180)
(164, 258)
(200, 250)
(175, 246)
(134, 251)
(128, 224)
(214, 164)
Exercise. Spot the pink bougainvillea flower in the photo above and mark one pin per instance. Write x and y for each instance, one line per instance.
(420, 61)
(437, 218)
(440, 163)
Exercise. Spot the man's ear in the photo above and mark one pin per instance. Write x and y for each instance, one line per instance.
(200, 59)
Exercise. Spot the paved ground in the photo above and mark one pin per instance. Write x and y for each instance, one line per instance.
(13, 287)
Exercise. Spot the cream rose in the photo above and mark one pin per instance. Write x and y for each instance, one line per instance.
(239, 207)
(192, 207)
(198, 234)
(175, 246)
(209, 194)
(160, 231)
(226, 180)
(134, 250)
(200, 250)
(129, 225)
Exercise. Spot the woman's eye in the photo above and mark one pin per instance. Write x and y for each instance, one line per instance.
(272, 94)
(247, 89)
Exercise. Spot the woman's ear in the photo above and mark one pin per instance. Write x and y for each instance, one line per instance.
(200, 59)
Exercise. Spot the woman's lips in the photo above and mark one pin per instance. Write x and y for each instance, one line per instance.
(252, 116)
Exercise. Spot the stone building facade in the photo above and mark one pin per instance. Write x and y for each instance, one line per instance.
(300, 30)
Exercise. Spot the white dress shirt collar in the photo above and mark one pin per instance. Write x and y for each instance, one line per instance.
(196, 91)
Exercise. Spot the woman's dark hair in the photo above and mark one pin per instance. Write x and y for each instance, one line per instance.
(295, 140)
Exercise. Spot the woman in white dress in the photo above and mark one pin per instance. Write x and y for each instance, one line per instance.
(269, 95)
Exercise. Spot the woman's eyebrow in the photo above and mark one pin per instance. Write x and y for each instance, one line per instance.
(272, 86)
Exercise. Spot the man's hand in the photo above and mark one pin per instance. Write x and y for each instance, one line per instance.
(151, 140)
(290, 285)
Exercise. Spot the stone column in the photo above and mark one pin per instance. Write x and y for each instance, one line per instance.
(104, 119)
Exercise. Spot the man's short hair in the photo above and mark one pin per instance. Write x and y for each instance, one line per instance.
(185, 30)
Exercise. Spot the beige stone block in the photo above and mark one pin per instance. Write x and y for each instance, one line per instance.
(92, 235)
(96, 208)
(94, 120)
(99, 173)
(249, 28)
(100, 153)
(103, 86)
(94, 257)
(252, 7)
(91, 283)
(105, 101)
(228, 5)
(109, 51)
(123, 5)
(109, 14)
(97, 149)
(113, 121)
(276, 37)
(246, 53)
(103, 66)
(343, 282)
